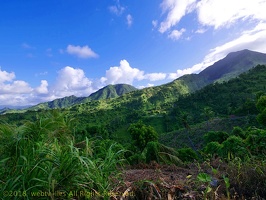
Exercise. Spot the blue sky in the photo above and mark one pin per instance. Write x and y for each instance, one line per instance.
(55, 48)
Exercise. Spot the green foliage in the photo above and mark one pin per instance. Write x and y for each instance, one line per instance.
(112, 91)
(238, 131)
(213, 148)
(261, 103)
(187, 155)
(233, 147)
(41, 156)
(152, 152)
(205, 178)
(142, 134)
(262, 117)
(256, 142)
(136, 158)
(215, 136)
(261, 106)
(227, 186)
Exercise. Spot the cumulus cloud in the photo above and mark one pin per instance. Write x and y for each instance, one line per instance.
(6, 76)
(176, 34)
(10, 86)
(43, 88)
(123, 73)
(81, 52)
(71, 81)
(15, 87)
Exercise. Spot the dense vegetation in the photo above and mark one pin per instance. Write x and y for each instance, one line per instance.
(84, 151)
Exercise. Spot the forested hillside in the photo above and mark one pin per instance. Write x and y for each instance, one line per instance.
(209, 144)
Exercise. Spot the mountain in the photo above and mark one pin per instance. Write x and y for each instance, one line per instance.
(225, 69)
(4, 110)
(163, 110)
(232, 65)
(112, 91)
(58, 103)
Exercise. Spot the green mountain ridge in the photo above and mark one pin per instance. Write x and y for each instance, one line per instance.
(109, 91)
(233, 65)
(225, 69)
(112, 91)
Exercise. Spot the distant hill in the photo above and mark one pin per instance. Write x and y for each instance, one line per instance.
(112, 91)
(223, 70)
(3, 110)
(162, 106)
(58, 103)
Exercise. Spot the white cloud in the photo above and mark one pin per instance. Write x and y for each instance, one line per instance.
(254, 39)
(214, 13)
(117, 9)
(129, 20)
(123, 73)
(176, 10)
(224, 13)
(155, 76)
(176, 34)
(211, 13)
(81, 52)
(154, 23)
(6, 76)
(15, 87)
(43, 88)
(201, 31)
(71, 81)
(148, 85)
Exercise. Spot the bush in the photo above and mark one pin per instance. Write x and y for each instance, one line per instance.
(152, 152)
(215, 136)
(233, 147)
(212, 148)
(187, 154)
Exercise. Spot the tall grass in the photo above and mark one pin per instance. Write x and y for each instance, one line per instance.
(41, 157)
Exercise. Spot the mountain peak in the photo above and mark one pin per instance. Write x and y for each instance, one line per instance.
(112, 91)
(233, 64)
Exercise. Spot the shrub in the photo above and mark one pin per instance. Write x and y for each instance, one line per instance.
(215, 136)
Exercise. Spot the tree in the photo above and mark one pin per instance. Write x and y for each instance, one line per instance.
(142, 134)
(208, 114)
(215, 136)
(261, 106)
